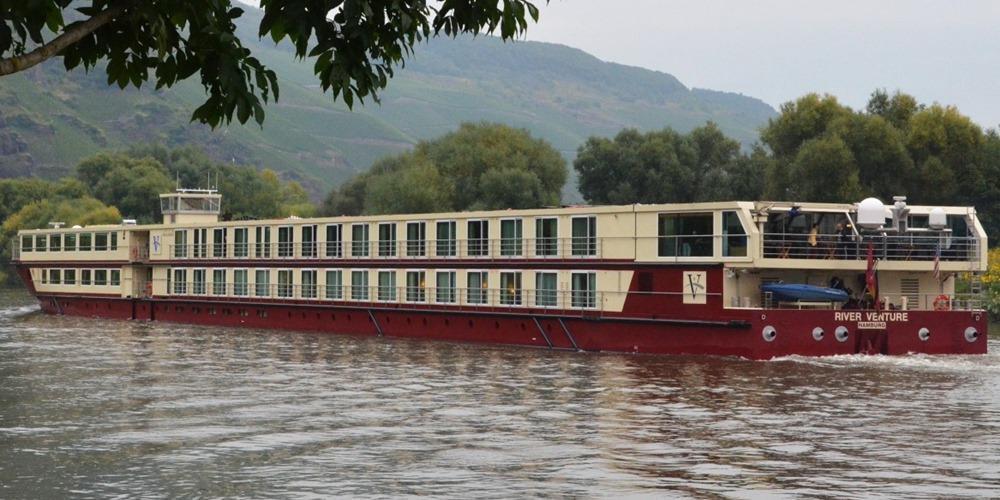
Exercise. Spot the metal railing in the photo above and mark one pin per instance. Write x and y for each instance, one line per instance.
(907, 247)
(894, 302)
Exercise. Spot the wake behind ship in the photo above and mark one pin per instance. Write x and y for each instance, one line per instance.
(750, 279)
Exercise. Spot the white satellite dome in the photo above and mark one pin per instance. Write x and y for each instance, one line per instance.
(871, 213)
(937, 219)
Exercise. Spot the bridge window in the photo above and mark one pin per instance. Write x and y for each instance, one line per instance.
(734, 237)
(40, 243)
(27, 242)
(85, 241)
(685, 235)
(69, 242)
(55, 242)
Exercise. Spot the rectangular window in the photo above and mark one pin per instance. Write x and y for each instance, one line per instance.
(446, 239)
(584, 290)
(198, 281)
(479, 238)
(54, 276)
(219, 243)
(262, 283)
(200, 248)
(547, 237)
(286, 247)
(55, 242)
(69, 242)
(309, 241)
(415, 285)
(510, 237)
(387, 239)
(446, 283)
(416, 239)
(262, 243)
(101, 277)
(510, 288)
(116, 277)
(334, 241)
(359, 285)
(100, 242)
(584, 236)
(69, 276)
(85, 277)
(114, 241)
(334, 284)
(180, 243)
(41, 243)
(359, 240)
(387, 286)
(85, 241)
(477, 287)
(546, 291)
(734, 238)
(285, 283)
(218, 282)
(241, 280)
(685, 235)
(241, 240)
(27, 243)
(180, 280)
(309, 284)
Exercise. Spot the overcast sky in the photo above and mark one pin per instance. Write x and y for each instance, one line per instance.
(777, 50)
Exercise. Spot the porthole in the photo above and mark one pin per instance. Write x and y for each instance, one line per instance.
(971, 334)
(769, 333)
(923, 334)
(818, 333)
(841, 334)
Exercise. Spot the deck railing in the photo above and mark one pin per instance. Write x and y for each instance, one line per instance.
(908, 247)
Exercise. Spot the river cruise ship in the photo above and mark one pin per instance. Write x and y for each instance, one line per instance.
(751, 279)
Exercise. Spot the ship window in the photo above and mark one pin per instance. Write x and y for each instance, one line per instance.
(69, 242)
(285, 283)
(218, 282)
(734, 237)
(334, 284)
(416, 239)
(69, 276)
(415, 283)
(359, 240)
(359, 285)
(546, 294)
(26, 243)
(446, 282)
(45, 276)
(477, 287)
(114, 241)
(41, 242)
(116, 277)
(546, 236)
(685, 235)
(510, 288)
(240, 240)
(309, 284)
(334, 240)
(262, 246)
(100, 241)
(286, 247)
(85, 277)
(219, 243)
(54, 276)
(584, 236)
(387, 239)
(55, 242)
(479, 238)
(584, 290)
(240, 279)
(387, 286)
(180, 243)
(510, 237)
(309, 241)
(180, 281)
(101, 277)
(198, 281)
(446, 238)
(85, 239)
(262, 283)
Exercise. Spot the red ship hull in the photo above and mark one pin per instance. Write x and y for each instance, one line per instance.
(741, 333)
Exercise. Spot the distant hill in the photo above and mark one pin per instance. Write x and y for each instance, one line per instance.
(49, 119)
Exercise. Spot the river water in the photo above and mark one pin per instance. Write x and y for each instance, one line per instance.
(95, 408)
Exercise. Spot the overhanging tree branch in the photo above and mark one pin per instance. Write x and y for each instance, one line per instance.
(70, 36)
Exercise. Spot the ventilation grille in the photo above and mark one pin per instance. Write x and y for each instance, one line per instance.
(910, 288)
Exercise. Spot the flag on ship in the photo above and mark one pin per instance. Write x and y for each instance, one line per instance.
(937, 263)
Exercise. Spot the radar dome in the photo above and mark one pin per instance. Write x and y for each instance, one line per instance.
(871, 213)
(937, 219)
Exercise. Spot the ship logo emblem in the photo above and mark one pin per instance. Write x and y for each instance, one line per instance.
(694, 287)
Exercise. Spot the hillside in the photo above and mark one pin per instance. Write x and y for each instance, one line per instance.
(49, 119)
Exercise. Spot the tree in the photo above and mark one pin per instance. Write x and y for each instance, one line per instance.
(355, 43)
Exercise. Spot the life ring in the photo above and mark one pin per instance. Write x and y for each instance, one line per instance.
(942, 303)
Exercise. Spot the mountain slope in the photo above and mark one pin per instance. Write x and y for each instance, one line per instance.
(50, 119)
